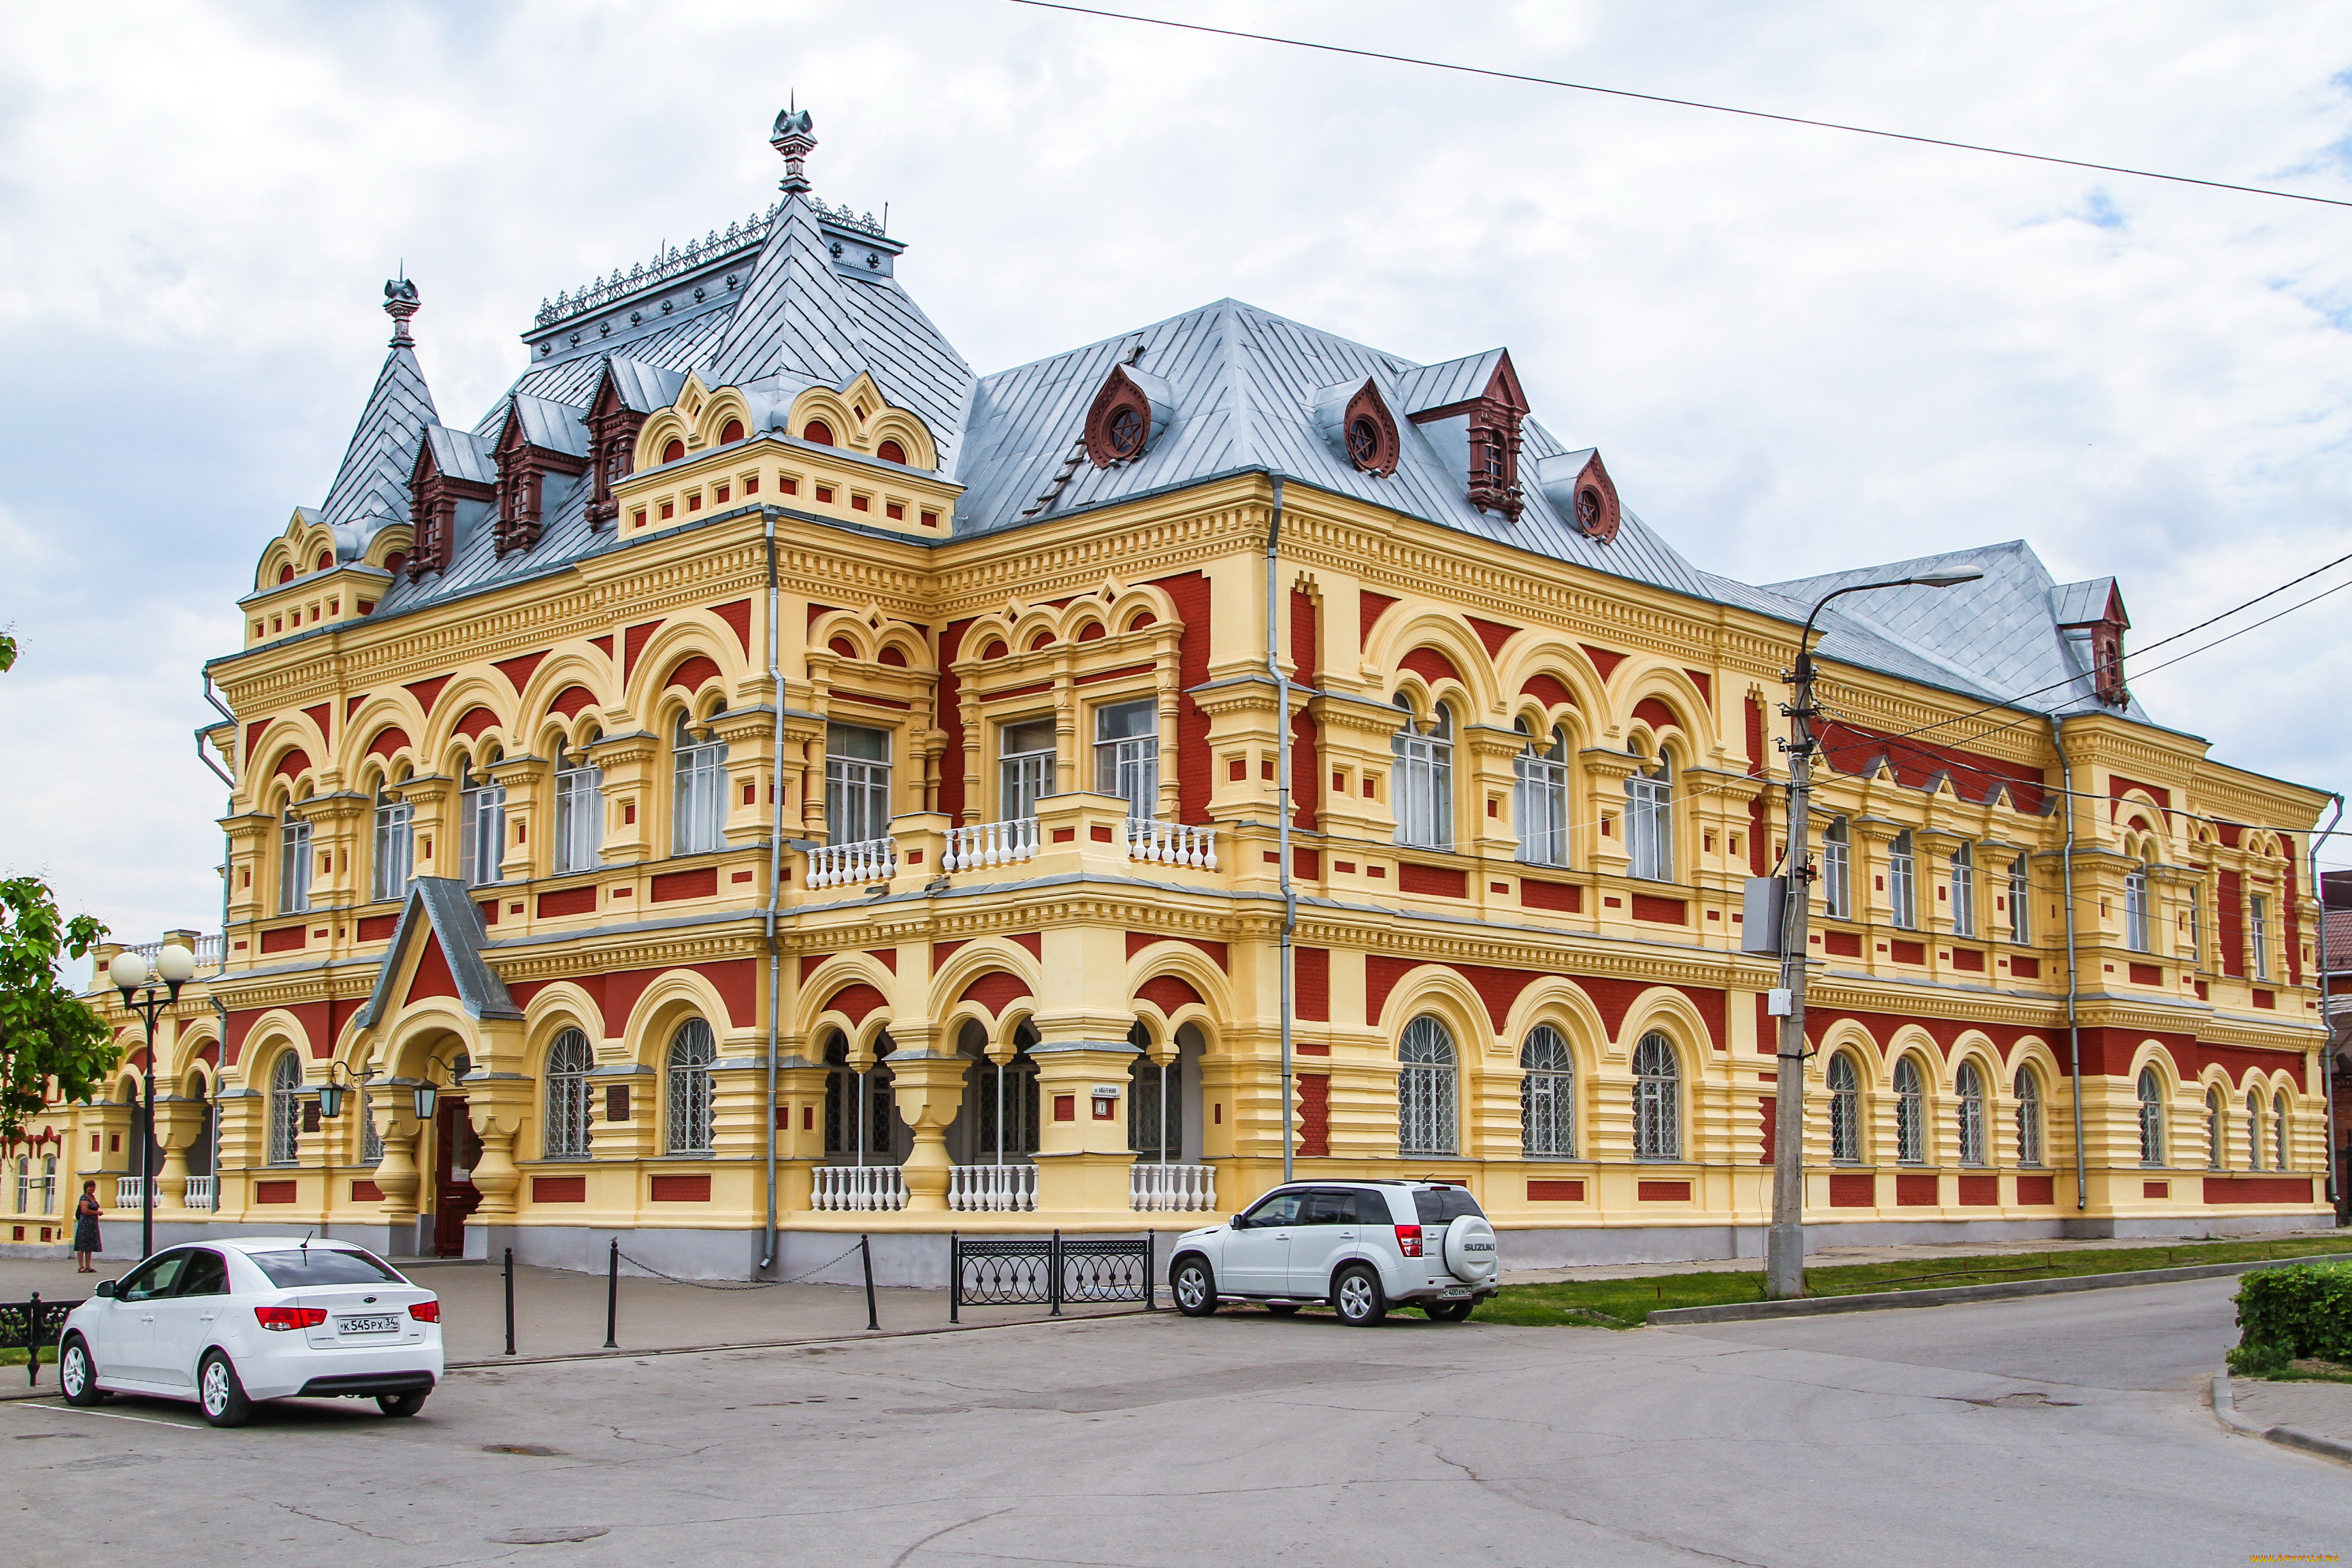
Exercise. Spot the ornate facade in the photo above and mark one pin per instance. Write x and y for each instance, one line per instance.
(762, 773)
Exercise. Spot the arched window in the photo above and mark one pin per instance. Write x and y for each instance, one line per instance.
(2151, 1118)
(1546, 1096)
(1964, 891)
(1650, 820)
(2029, 1117)
(2282, 1147)
(1967, 1091)
(1541, 806)
(1657, 1099)
(1910, 1112)
(698, 792)
(1425, 1089)
(688, 1124)
(817, 431)
(284, 1109)
(1845, 1110)
(2135, 911)
(568, 1060)
(2253, 1130)
(1424, 788)
(482, 821)
(2258, 934)
(293, 864)
(672, 450)
(1837, 871)
(1902, 895)
(394, 845)
(2217, 1131)
(891, 452)
(579, 812)
(732, 434)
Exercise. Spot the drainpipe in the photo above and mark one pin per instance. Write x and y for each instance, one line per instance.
(2326, 985)
(227, 844)
(1282, 824)
(2074, 984)
(775, 880)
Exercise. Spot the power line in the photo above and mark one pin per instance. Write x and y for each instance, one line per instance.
(1684, 103)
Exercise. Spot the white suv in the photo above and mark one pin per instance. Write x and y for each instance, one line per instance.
(1364, 1247)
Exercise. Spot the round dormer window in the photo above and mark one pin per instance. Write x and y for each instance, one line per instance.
(1588, 509)
(1125, 431)
(1364, 441)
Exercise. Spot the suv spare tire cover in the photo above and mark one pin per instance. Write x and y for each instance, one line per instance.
(1470, 1254)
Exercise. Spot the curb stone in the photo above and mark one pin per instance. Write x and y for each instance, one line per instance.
(2225, 1408)
(1889, 1300)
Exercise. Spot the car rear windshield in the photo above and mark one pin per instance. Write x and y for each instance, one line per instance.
(1438, 1205)
(302, 1266)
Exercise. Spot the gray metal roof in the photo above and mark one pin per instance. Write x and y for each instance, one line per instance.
(465, 454)
(1442, 385)
(370, 488)
(553, 427)
(2080, 603)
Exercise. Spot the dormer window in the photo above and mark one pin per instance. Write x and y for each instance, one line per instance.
(732, 434)
(1472, 410)
(818, 432)
(891, 452)
(673, 450)
(1128, 412)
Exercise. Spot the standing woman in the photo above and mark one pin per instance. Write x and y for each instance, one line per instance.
(86, 1213)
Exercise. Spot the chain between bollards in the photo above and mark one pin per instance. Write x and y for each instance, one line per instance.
(612, 1296)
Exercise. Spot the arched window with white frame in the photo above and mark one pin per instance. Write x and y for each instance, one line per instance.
(285, 1122)
(1425, 1089)
(1657, 1099)
(857, 784)
(579, 812)
(1650, 820)
(1026, 755)
(2136, 910)
(1968, 1107)
(2151, 1117)
(698, 790)
(2029, 1117)
(1423, 787)
(1546, 1096)
(1541, 799)
(1126, 755)
(1910, 1112)
(569, 1061)
(687, 1117)
(1845, 1109)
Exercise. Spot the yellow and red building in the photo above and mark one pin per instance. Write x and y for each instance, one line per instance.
(763, 774)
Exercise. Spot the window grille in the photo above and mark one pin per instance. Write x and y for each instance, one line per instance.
(2020, 917)
(2135, 911)
(1424, 782)
(568, 1062)
(857, 784)
(285, 1110)
(1845, 1110)
(2151, 1118)
(1026, 753)
(2258, 934)
(2253, 1130)
(1657, 1099)
(2028, 1117)
(482, 835)
(846, 1113)
(1650, 822)
(293, 866)
(1127, 756)
(394, 847)
(1837, 871)
(371, 1135)
(1546, 1096)
(2281, 1148)
(2217, 1153)
(579, 814)
(1541, 806)
(692, 1050)
(1910, 1112)
(1902, 895)
(1425, 1119)
(1968, 1089)
(698, 792)
(1964, 891)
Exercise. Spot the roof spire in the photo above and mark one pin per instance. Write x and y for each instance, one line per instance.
(400, 303)
(792, 138)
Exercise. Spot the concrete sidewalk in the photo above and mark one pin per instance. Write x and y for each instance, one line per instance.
(1921, 1253)
(2322, 1408)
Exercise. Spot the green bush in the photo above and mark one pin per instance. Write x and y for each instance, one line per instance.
(2286, 1313)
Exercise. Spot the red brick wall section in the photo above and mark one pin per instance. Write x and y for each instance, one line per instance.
(1655, 714)
(1311, 984)
(432, 977)
(558, 1189)
(1168, 993)
(571, 699)
(1661, 912)
(366, 1192)
(1137, 941)
(1980, 1192)
(1765, 1108)
(1908, 951)
(1438, 882)
(1034, 941)
(1494, 633)
(475, 721)
(1853, 1190)
(2258, 1189)
(285, 938)
(1369, 608)
(1852, 749)
(1602, 659)
(427, 692)
(567, 901)
(2037, 1189)
(1189, 592)
(1431, 665)
(632, 643)
(1548, 690)
(391, 738)
(2293, 918)
(1540, 1192)
(856, 1000)
(693, 1189)
(1314, 1115)
(691, 673)
(1306, 772)
(1841, 943)
(517, 669)
(1915, 1190)
(996, 990)
(672, 885)
(950, 720)
(273, 1192)
(737, 616)
(1662, 1192)
(1538, 895)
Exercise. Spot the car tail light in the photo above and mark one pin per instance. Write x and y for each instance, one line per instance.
(283, 1317)
(1409, 1240)
(425, 1312)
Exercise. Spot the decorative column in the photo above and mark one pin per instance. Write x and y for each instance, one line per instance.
(524, 779)
(179, 1122)
(750, 736)
(432, 800)
(248, 840)
(628, 762)
(397, 1176)
(1601, 845)
(928, 1085)
(1084, 1060)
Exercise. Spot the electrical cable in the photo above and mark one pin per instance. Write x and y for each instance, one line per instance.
(1684, 103)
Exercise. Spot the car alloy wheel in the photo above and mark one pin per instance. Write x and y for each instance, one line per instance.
(1195, 1289)
(76, 1377)
(1358, 1298)
(222, 1395)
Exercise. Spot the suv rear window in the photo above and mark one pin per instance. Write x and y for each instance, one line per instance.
(1438, 1205)
(324, 1266)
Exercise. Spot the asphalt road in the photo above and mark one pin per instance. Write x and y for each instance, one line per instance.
(2062, 1430)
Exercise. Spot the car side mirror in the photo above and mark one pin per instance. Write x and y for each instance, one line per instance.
(103, 1287)
(1237, 1222)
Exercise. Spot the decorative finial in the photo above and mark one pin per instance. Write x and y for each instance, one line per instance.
(400, 303)
(792, 138)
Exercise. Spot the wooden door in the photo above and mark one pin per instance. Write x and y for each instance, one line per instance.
(455, 1150)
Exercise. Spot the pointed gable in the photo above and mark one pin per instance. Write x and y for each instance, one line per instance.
(436, 950)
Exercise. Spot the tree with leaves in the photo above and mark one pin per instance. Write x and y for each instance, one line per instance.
(49, 1037)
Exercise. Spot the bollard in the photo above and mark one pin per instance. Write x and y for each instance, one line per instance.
(33, 1340)
(866, 1250)
(1054, 1276)
(612, 1296)
(511, 1300)
(955, 1275)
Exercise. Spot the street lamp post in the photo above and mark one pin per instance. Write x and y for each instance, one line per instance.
(136, 978)
(1784, 1248)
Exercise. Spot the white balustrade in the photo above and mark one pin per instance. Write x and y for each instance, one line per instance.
(992, 1187)
(858, 1187)
(1172, 843)
(984, 844)
(1160, 1188)
(199, 1193)
(129, 1192)
(868, 860)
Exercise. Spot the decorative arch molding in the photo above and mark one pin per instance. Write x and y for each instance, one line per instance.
(1399, 642)
(1665, 1011)
(685, 633)
(556, 1006)
(675, 996)
(1437, 989)
(1556, 1001)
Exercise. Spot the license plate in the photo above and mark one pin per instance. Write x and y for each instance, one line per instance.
(1452, 1295)
(367, 1325)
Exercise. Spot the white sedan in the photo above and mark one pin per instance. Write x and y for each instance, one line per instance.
(228, 1323)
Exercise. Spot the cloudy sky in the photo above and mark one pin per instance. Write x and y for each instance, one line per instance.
(1798, 350)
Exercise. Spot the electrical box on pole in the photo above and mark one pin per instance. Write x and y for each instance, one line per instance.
(1760, 913)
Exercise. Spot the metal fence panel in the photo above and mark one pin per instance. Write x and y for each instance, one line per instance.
(1045, 1271)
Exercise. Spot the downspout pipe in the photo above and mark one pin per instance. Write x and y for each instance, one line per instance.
(2073, 982)
(1282, 824)
(227, 848)
(775, 879)
(2327, 988)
